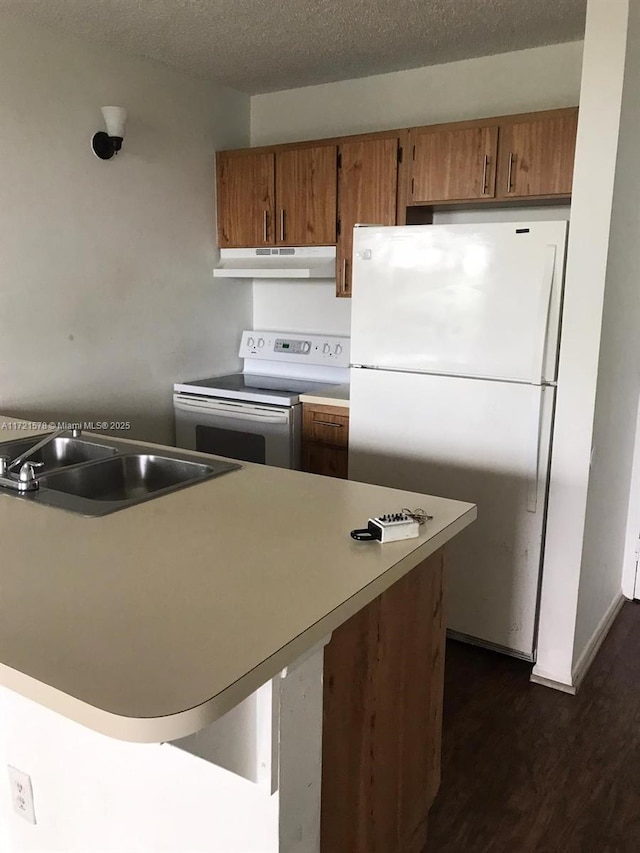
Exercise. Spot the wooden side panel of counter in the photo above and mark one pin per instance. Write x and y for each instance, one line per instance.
(382, 723)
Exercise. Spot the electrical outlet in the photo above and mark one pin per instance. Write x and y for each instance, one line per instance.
(22, 794)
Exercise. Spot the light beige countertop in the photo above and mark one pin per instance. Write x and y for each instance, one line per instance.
(150, 623)
(337, 396)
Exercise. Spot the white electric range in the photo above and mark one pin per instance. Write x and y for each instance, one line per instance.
(255, 415)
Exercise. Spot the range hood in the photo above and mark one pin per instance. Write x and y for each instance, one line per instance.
(306, 262)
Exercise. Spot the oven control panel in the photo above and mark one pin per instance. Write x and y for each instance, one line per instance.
(292, 346)
(303, 348)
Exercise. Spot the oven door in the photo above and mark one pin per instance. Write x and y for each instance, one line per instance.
(250, 432)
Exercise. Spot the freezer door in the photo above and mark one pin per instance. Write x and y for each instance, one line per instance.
(472, 440)
(463, 300)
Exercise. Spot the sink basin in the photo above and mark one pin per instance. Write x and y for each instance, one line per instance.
(125, 478)
(97, 477)
(101, 487)
(59, 453)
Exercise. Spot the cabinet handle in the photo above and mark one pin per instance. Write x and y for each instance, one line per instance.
(328, 423)
(265, 226)
(509, 171)
(484, 174)
(282, 224)
(343, 281)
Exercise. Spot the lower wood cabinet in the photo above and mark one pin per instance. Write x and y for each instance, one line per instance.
(382, 719)
(320, 459)
(325, 439)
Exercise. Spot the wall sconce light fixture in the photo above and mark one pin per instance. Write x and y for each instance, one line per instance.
(105, 145)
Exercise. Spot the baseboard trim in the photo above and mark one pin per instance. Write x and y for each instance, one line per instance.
(485, 644)
(554, 685)
(591, 649)
(572, 685)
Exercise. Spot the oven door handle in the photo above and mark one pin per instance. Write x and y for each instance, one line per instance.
(239, 412)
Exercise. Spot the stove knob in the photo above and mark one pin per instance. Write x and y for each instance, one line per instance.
(250, 342)
(338, 349)
(260, 342)
(326, 349)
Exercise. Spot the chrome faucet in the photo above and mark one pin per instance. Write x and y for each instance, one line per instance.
(26, 479)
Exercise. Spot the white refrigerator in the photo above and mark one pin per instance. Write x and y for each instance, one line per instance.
(454, 346)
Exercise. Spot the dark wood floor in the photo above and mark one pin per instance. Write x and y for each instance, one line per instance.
(530, 770)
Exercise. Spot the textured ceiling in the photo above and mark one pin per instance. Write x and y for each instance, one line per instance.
(265, 45)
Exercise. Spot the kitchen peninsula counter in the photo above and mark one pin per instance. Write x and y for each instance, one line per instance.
(237, 620)
(150, 623)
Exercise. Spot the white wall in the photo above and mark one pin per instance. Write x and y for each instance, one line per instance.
(614, 430)
(93, 794)
(587, 258)
(105, 267)
(294, 306)
(541, 78)
(535, 79)
(630, 563)
(544, 213)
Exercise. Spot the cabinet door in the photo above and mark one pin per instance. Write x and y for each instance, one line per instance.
(245, 184)
(306, 196)
(325, 424)
(367, 193)
(536, 157)
(453, 165)
(321, 459)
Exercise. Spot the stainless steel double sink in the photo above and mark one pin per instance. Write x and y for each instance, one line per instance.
(97, 477)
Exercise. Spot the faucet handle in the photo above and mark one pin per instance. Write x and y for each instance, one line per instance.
(4, 465)
(27, 471)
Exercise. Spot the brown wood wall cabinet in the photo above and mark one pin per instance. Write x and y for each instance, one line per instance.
(536, 156)
(325, 440)
(453, 164)
(306, 196)
(526, 156)
(367, 193)
(245, 198)
(277, 198)
(382, 719)
(313, 193)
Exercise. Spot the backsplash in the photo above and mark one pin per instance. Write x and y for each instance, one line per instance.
(301, 307)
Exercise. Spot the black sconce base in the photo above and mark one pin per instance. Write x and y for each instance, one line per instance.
(105, 146)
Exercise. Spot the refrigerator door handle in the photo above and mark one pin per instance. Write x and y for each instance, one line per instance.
(537, 367)
(536, 442)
